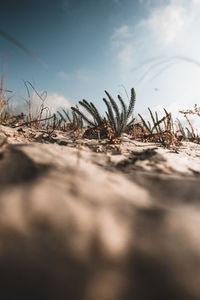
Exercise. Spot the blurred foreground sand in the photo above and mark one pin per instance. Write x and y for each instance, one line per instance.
(87, 220)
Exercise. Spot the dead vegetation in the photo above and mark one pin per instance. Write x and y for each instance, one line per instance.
(190, 132)
(4, 100)
(162, 131)
(85, 120)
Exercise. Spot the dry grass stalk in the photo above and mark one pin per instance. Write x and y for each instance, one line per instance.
(42, 112)
(190, 124)
(166, 136)
(191, 134)
(3, 100)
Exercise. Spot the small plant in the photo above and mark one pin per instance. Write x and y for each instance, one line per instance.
(119, 120)
(161, 131)
(73, 122)
(116, 121)
(166, 120)
(93, 112)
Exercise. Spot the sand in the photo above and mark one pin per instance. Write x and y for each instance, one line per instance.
(84, 219)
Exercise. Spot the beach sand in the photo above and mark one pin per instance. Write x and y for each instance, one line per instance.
(84, 219)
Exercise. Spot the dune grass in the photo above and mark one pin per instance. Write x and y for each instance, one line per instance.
(118, 119)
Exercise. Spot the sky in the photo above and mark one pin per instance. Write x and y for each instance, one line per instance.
(90, 46)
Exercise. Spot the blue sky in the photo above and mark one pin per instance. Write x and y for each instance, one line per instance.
(90, 46)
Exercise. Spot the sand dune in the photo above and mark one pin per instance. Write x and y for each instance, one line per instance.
(82, 219)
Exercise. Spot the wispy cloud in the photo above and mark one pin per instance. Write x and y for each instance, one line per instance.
(168, 30)
(122, 45)
(161, 50)
(84, 75)
(126, 57)
(63, 75)
(122, 32)
(170, 23)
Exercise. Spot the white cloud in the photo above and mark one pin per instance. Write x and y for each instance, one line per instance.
(197, 2)
(166, 29)
(162, 50)
(173, 22)
(54, 102)
(169, 24)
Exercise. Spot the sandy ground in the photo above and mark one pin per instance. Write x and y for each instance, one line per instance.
(83, 219)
